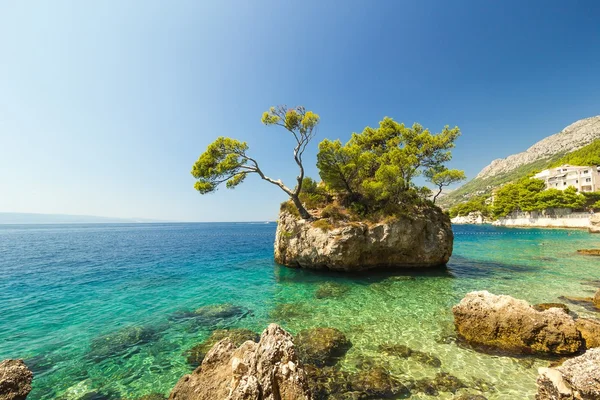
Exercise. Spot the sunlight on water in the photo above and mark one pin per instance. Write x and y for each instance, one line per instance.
(109, 308)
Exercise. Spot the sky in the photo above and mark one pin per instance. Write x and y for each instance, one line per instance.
(105, 106)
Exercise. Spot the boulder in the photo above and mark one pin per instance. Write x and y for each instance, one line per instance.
(503, 322)
(196, 354)
(590, 331)
(267, 370)
(15, 380)
(595, 223)
(422, 239)
(321, 346)
(576, 379)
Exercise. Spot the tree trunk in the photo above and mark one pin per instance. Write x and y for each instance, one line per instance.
(436, 196)
(303, 212)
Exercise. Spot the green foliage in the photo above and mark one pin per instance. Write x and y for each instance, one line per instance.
(530, 195)
(225, 160)
(441, 177)
(314, 195)
(473, 205)
(587, 155)
(596, 205)
(323, 224)
(289, 206)
(222, 161)
(373, 172)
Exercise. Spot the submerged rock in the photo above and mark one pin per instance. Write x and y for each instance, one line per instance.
(589, 252)
(513, 325)
(287, 311)
(596, 299)
(400, 350)
(15, 380)
(196, 354)
(267, 370)
(576, 379)
(321, 346)
(377, 382)
(423, 239)
(547, 306)
(212, 315)
(585, 302)
(331, 290)
(117, 343)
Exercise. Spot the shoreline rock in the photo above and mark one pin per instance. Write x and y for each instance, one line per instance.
(576, 379)
(589, 252)
(267, 370)
(15, 380)
(473, 218)
(419, 240)
(513, 325)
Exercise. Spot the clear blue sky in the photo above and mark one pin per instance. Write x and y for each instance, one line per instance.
(105, 105)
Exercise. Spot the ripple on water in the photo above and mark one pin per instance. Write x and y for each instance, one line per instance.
(97, 309)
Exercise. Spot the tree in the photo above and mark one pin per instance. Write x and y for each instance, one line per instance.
(376, 167)
(226, 160)
(442, 177)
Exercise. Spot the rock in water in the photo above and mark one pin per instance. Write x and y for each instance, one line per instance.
(422, 239)
(321, 346)
(576, 379)
(267, 370)
(597, 299)
(513, 325)
(589, 252)
(595, 223)
(15, 380)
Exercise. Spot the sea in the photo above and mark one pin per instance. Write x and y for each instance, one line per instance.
(101, 311)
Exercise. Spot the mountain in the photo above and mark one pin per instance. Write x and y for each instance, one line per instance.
(541, 155)
(31, 218)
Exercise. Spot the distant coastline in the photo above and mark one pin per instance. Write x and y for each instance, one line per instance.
(10, 218)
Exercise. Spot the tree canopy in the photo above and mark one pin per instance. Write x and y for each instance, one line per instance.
(226, 160)
(375, 169)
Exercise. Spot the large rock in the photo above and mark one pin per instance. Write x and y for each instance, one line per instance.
(267, 370)
(595, 223)
(321, 346)
(421, 239)
(590, 331)
(513, 325)
(576, 379)
(15, 380)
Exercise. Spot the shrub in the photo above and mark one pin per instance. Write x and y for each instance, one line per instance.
(289, 207)
(323, 224)
(334, 212)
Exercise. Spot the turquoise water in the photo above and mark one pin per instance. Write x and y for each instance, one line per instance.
(64, 288)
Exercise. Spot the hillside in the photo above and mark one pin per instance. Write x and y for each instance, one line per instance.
(554, 150)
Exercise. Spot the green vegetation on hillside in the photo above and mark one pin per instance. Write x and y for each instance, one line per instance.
(475, 204)
(532, 195)
(372, 175)
(588, 155)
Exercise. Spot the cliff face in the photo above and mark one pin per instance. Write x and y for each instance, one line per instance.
(421, 240)
(538, 157)
(573, 137)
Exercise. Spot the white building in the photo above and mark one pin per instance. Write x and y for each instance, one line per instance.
(584, 179)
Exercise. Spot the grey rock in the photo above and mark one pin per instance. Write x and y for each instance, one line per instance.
(576, 379)
(422, 239)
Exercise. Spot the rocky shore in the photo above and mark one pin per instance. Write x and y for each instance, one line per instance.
(15, 380)
(417, 240)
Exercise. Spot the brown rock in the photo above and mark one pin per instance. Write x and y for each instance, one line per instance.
(513, 325)
(547, 306)
(422, 239)
(589, 252)
(576, 379)
(590, 331)
(15, 380)
(321, 346)
(596, 299)
(267, 370)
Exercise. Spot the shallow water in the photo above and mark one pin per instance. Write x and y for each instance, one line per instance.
(64, 288)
